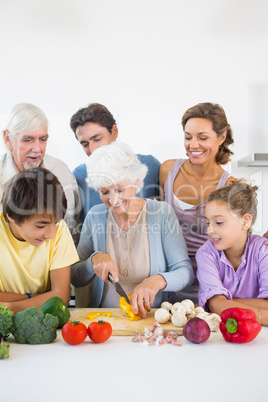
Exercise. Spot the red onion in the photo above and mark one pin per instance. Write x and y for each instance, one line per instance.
(196, 330)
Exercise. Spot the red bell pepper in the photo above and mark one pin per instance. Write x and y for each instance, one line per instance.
(239, 325)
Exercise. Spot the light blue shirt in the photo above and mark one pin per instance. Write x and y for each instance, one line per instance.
(168, 252)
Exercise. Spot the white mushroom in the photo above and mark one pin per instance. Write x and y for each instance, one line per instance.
(198, 310)
(178, 308)
(191, 315)
(179, 319)
(213, 321)
(166, 305)
(189, 305)
(202, 315)
(161, 315)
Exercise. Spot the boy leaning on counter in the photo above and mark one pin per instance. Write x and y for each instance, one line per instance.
(35, 243)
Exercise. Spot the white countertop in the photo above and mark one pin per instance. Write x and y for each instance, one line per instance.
(120, 370)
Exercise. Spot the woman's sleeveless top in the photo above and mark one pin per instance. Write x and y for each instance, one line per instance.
(192, 220)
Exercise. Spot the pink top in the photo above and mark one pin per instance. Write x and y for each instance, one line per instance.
(192, 220)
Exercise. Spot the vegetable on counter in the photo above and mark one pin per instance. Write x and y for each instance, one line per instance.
(34, 327)
(127, 310)
(156, 335)
(196, 330)
(6, 320)
(239, 325)
(95, 314)
(74, 332)
(161, 315)
(4, 348)
(58, 308)
(181, 312)
(99, 331)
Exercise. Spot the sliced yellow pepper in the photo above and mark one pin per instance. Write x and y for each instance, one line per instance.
(93, 315)
(126, 309)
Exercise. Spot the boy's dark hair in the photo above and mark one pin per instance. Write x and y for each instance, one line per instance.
(93, 113)
(35, 192)
(216, 114)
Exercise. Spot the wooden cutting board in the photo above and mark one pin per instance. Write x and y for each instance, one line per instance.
(121, 325)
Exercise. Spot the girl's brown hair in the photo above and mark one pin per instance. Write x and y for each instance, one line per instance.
(240, 197)
(216, 114)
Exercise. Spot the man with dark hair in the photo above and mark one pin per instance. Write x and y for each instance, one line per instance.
(93, 127)
(36, 246)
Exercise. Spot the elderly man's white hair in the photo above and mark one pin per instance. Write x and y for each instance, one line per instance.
(114, 164)
(24, 118)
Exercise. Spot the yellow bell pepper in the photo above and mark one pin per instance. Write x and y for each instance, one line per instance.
(93, 315)
(126, 309)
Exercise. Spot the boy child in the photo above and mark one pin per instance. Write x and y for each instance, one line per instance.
(36, 246)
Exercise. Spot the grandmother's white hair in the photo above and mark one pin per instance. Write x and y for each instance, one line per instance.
(24, 118)
(114, 164)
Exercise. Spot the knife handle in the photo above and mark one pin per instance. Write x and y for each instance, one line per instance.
(110, 278)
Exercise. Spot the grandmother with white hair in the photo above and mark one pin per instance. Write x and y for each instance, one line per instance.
(138, 241)
(26, 135)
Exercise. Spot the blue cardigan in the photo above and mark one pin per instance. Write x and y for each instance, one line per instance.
(168, 251)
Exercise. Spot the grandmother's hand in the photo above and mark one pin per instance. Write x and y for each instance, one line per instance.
(144, 294)
(102, 265)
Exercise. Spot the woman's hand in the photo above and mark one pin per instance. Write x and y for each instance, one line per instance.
(102, 265)
(144, 294)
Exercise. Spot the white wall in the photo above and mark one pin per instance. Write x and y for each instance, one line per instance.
(146, 60)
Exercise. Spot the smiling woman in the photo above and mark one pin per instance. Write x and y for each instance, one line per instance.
(138, 241)
(187, 183)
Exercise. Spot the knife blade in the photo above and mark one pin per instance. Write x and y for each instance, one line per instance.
(118, 288)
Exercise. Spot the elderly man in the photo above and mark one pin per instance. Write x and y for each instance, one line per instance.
(26, 136)
(93, 127)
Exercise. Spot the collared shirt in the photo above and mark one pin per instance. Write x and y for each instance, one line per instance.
(217, 276)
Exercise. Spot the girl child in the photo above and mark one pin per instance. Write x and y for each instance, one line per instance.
(232, 266)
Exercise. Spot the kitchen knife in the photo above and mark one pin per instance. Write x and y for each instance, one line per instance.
(118, 288)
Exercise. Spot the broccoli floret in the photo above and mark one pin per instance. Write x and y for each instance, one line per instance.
(6, 320)
(34, 327)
